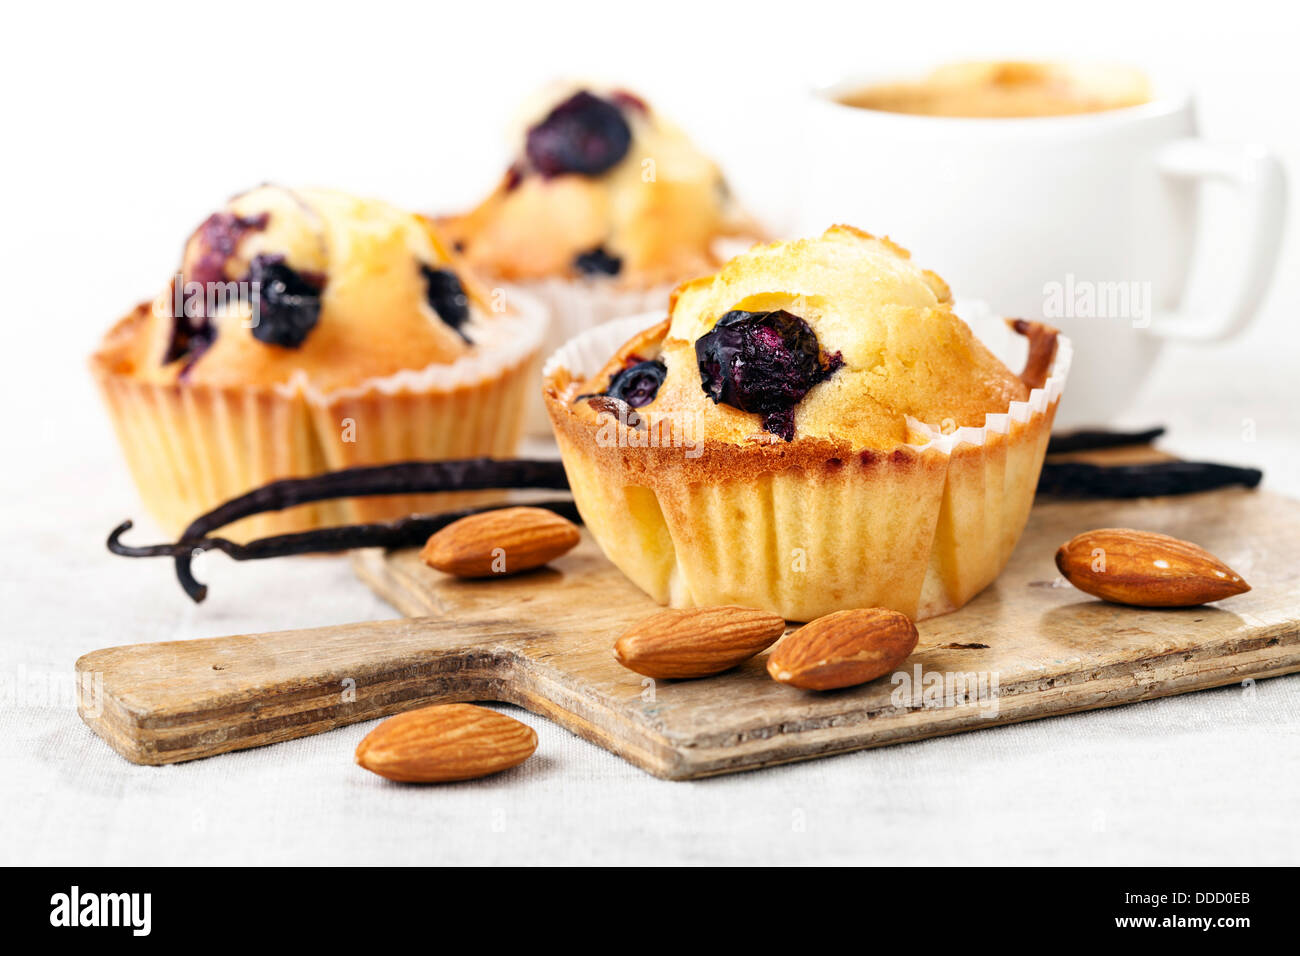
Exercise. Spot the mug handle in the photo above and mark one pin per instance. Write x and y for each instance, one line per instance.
(1261, 187)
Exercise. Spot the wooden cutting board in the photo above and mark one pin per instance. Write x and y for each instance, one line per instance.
(1035, 646)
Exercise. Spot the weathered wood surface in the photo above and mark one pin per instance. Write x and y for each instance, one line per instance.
(543, 641)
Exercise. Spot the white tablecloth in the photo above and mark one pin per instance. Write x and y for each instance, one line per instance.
(1206, 777)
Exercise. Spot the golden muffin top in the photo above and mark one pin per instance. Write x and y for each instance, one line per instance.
(284, 284)
(840, 338)
(603, 186)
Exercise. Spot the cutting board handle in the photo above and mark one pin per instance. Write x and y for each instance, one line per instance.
(179, 700)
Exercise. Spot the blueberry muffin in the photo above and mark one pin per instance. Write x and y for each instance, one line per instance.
(811, 429)
(308, 330)
(604, 209)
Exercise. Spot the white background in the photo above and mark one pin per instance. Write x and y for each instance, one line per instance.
(125, 125)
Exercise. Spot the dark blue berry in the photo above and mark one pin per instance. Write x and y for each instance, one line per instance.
(190, 335)
(215, 242)
(597, 262)
(288, 301)
(638, 384)
(584, 134)
(762, 362)
(446, 296)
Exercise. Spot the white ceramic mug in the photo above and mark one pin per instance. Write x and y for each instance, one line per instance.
(1087, 221)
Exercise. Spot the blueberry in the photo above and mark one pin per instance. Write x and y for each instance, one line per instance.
(190, 335)
(584, 134)
(216, 240)
(597, 262)
(638, 384)
(762, 362)
(446, 296)
(289, 301)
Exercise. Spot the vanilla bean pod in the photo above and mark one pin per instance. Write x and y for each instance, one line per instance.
(400, 478)
(1072, 479)
(1090, 440)
(403, 533)
(411, 477)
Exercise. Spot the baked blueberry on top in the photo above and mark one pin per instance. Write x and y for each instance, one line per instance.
(584, 135)
(597, 262)
(762, 362)
(288, 301)
(638, 383)
(446, 296)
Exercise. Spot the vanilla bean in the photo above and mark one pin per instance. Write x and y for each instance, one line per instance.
(1089, 440)
(400, 478)
(1072, 479)
(403, 533)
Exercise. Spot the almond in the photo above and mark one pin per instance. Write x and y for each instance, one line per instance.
(446, 742)
(501, 542)
(1145, 569)
(843, 649)
(696, 642)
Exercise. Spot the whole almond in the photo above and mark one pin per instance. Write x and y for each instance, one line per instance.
(1145, 569)
(696, 642)
(446, 742)
(502, 542)
(843, 649)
